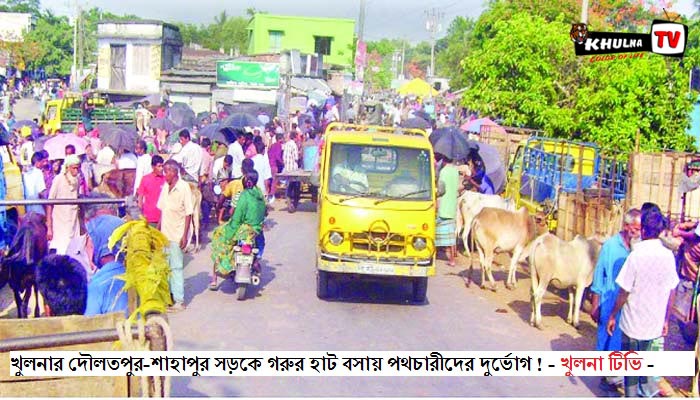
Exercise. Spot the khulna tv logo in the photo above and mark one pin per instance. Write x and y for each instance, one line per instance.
(666, 38)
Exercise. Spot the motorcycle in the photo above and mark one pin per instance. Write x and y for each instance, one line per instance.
(246, 271)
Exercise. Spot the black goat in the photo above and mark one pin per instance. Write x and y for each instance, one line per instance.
(18, 264)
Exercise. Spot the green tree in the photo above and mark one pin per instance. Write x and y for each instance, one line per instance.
(526, 72)
(53, 36)
(21, 6)
(452, 49)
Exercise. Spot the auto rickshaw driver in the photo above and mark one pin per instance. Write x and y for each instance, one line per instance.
(350, 176)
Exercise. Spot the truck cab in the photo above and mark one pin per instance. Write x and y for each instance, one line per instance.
(377, 206)
(66, 113)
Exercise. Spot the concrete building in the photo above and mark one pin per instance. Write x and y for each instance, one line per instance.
(133, 54)
(330, 37)
(13, 26)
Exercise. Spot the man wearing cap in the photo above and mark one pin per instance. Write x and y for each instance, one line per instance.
(62, 220)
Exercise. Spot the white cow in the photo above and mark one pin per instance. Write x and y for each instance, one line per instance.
(568, 265)
(495, 230)
(470, 205)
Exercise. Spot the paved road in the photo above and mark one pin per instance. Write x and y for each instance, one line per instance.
(285, 314)
(26, 109)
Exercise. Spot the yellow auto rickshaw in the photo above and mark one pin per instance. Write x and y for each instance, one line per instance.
(377, 206)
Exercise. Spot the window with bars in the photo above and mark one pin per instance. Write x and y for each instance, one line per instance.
(322, 45)
(276, 41)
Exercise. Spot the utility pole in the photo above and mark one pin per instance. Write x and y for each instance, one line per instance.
(74, 75)
(433, 26)
(584, 11)
(403, 58)
(360, 73)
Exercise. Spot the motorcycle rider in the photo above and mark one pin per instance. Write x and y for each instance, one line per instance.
(247, 219)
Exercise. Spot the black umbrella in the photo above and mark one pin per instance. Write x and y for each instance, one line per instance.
(202, 116)
(229, 133)
(182, 115)
(26, 122)
(162, 123)
(5, 137)
(450, 142)
(416, 123)
(213, 132)
(493, 163)
(423, 115)
(241, 120)
(118, 137)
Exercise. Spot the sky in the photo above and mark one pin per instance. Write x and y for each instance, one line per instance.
(384, 18)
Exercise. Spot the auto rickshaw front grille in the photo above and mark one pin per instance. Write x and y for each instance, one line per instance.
(362, 241)
(381, 248)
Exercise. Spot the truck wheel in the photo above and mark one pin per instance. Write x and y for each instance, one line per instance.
(420, 289)
(322, 284)
(240, 291)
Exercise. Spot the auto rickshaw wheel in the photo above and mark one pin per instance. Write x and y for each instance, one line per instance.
(420, 289)
(322, 284)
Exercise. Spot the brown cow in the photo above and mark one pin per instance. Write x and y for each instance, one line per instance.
(118, 183)
(496, 230)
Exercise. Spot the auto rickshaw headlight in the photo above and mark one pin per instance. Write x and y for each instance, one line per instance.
(419, 243)
(336, 238)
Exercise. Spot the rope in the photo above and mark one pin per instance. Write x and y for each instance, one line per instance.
(129, 343)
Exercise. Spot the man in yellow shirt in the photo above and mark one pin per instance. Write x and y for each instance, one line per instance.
(232, 191)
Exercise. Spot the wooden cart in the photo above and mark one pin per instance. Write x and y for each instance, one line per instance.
(305, 178)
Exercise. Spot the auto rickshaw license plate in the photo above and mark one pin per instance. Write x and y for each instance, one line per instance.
(244, 259)
(375, 269)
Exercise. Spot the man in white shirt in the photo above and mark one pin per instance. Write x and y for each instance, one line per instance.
(34, 184)
(190, 157)
(261, 164)
(235, 150)
(143, 163)
(647, 284)
(104, 162)
(127, 160)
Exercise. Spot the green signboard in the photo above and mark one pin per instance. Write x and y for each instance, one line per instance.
(247, 74)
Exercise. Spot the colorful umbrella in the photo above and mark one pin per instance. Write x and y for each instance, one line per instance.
(417, 87)
(56, 145)
(476, 125)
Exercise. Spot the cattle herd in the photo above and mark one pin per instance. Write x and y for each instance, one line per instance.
(489, 224)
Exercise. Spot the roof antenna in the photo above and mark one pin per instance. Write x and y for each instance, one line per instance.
(669, 18)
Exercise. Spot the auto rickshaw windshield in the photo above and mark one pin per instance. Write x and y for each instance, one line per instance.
(399, 173)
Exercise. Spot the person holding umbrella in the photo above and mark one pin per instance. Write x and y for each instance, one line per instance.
(478, 177)
(448, 193)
